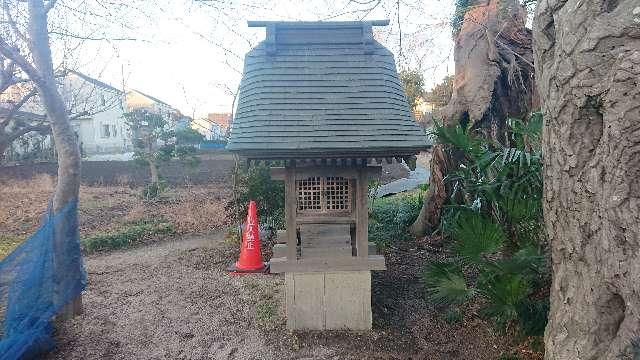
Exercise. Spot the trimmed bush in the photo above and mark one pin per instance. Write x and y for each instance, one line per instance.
(132, 234)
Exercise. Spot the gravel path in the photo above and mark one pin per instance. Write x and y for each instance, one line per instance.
(170, 301)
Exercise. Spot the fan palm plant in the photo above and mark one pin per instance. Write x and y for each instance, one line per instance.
(493, 219)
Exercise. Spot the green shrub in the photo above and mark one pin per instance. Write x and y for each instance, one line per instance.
(532, 316)
(453, 316)
(153, 190)
(493, 222)
(256, 184)
(475, 235)
(390, 218)
(504, 293)
(445, 284)
(131, 234)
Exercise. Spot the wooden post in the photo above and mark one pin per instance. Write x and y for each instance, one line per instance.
(362, 213)
(290, 198)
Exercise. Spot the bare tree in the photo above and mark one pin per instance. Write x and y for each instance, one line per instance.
(37, 65)
(22, 111)
(587, 70)
(36, 62)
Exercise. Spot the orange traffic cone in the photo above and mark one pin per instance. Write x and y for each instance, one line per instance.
(250, 259)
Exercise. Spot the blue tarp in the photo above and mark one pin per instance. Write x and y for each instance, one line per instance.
(37, 279)
(210, 145)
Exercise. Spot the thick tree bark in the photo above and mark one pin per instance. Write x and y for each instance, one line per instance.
(493, 81)
(68, 185)
(587, 70)
(436, 195)
(40, 71)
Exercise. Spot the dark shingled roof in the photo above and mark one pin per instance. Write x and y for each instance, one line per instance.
(322, 88)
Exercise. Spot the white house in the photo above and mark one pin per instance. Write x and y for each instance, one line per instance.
(95, 110)
(97, 117)
(97, 113)
(209, 129)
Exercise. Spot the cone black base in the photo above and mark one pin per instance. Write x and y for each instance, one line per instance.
(233, 270)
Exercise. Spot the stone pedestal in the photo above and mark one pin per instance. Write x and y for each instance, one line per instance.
(328, 300)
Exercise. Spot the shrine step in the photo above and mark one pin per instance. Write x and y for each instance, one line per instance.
(280, 250)
(325, 252)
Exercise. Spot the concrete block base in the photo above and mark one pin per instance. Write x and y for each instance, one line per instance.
(328, 300)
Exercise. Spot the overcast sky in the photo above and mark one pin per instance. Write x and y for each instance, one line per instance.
(189, 53)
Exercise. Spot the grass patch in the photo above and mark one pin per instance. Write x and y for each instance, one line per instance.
(390, 217)
(133, 233)
(8, 243)
(265, 313)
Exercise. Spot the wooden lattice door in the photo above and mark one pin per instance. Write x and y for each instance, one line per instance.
(319, 194)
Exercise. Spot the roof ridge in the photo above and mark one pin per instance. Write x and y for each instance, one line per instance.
(151, 97)
(94, 81)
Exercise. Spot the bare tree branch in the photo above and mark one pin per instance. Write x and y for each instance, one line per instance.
(93, 38)
(12, 23)
(48, 6)
(11, 53)
(4, 122)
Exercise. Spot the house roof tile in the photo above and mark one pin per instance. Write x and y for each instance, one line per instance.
(322, 88)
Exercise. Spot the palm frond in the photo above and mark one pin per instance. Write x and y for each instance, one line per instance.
(445, 284)
(526, 261)
(460, 138)
(519, 208)
(504, 293)
(475, 236)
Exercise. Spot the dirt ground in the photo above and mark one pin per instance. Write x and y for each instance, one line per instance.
(173, 300)
(190, 209)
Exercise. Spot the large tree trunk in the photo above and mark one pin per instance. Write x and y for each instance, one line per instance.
(587, 69)
(493, 81)
(68, 186)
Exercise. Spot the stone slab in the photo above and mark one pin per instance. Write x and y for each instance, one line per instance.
(328, 300)
(352, 263)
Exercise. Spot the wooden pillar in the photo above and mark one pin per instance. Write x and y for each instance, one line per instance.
(290, 198)
(362, 213)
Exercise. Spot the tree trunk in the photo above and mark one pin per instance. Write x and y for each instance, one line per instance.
(4, 145)
(587, 70)
(436, 195)
(155, 177)
(68, 186)
(493, 81)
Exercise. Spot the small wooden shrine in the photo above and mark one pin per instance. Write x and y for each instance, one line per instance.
(324, 100)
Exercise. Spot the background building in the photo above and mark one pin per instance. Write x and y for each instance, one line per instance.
(214, 127)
